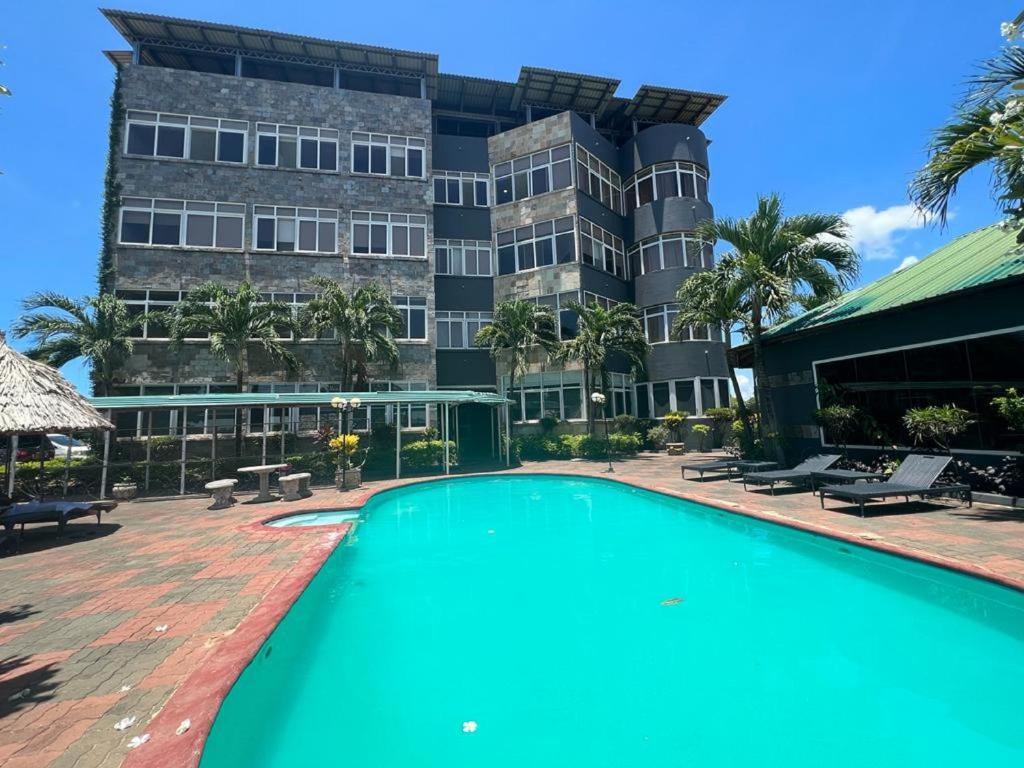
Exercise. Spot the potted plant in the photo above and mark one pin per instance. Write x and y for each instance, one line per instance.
(701, 431)
(838, 422)
(125, 490)
(348, 474)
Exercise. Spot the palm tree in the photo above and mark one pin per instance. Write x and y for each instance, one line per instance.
(986, 129)
(778, 263)
(518, 328)
(234, 320)
(603, 333)
(364, 321)
(713, 297)
(97, 328)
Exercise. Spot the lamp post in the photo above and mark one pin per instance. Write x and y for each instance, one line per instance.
(345, 407)
(598, 399)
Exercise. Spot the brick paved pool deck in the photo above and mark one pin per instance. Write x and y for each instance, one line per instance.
(167, 597)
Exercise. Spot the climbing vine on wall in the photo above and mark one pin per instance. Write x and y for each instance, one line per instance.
(111, 192)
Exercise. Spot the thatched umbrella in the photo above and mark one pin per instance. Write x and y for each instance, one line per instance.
(36, 399)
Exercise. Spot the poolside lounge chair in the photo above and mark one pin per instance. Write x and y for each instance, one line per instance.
(723, 465)
(799, 474)
(915, 476)
(59, 512)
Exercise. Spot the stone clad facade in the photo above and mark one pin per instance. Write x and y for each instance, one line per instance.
(468, 128)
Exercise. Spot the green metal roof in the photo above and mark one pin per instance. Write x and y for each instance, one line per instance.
(282, 399)
(972, 260)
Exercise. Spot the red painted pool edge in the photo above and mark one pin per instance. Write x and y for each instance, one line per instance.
(199, 697)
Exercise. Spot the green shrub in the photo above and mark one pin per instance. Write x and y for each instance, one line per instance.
(425, 454)
(624, 444)
(937, 424)
(701, 431)
(675, 421)
(657, 437)
(838, 421)
(571, 445)
(1011, 407)
(592, 447)
(548, 422)
(626, 424)
(721, 418)
(540, 447)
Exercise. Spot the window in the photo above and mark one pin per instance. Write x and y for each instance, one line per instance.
(471, 258)
(411, 416)
(383, 155)
(295, 230)
(157, 134)
(566, 319)
(693, 396)
(389, 234)
(666, 180)
(296, 301)
(603, 301)
(454, 188)
(413, 310)
(701, 333)
(658, 322)
(456, 330)
(296, 146)
(536, 245)
(601, 249)
(598, 180)
(670, 251)
(533, 175)
(560, 394)
(181, 223)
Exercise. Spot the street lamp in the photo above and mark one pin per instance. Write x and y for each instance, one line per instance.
(598, 399)
(345, 408)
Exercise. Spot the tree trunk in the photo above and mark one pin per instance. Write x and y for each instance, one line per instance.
(587, 402)
(511, 411)
(741, 407)
(240, 387)
(769, 427)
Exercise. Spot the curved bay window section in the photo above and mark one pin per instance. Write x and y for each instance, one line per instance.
(560, 394)
(665, 180)
(679, 249)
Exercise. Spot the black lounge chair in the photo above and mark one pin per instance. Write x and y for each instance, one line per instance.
(59, 512)
(723, 465)
(915, 476)
(798, 475)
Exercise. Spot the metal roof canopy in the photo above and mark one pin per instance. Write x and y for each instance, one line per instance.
(284, 399)
(655, 104)
(152, 29)
(563, 90)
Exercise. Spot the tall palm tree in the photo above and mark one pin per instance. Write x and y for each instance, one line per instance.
(777, 264)
(601, 334)
(97, 328)
(986, 129)
(364, 321)
(234, 321)
(518, 328)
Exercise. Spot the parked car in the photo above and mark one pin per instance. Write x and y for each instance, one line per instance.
(79, 450)
(31, 448)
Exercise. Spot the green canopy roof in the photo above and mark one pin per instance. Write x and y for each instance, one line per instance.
(282, 399)
(972, 260)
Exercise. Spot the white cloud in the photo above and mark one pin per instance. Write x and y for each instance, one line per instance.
(746, 385)
(875, 233)
(908, 261)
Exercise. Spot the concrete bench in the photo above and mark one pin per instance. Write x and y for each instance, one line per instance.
(676, 449)
(294, 487)
(221, 491)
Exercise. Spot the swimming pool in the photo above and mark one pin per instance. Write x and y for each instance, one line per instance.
(581, 622)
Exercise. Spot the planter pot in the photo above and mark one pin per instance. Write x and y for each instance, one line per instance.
(124, 491)
(352, 478)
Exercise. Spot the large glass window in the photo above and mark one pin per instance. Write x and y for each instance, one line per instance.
(533, 175)
(457, 330)
(295, 230)
(598, 180)
(566, 319)
(413, 310)
(389, 234)
(471, 258)
(455, 188)
(658, 322)
(383, 155)
(680, 249)
(663, 180)
(162, 135)
(692, 396)
(967, 373)
(296, 146)
(536, 245)
(181, 223)
(601, 249)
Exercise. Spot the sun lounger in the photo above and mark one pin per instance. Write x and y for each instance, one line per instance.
(915, 476)
(59, 512)
(723, 465)
(798, 475)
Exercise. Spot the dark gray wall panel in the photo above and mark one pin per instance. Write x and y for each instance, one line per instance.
(683, 360)
(605, 218)
(661, 143)
(600, 282)
(673, 214)
(594, 142)
(469, 368)
(452, 222)
(660, 287)
(473, 294)
(459, 153)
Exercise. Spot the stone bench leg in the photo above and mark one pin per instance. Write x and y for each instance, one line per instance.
(290, 489)
(304, 487)
(222, 497)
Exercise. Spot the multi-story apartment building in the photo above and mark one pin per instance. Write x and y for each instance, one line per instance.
(262, 156)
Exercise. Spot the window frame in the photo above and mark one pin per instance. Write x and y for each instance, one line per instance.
(607, 241)
(631, 189)
(462, 177)
(461, 246)
(637, 262)
(700, 406)
(604, 172)
(387, 140)
(463, 318)
(278, 213)
(301, 133)
(515, 244)
(181, 209)
(405, 303)
(529, 164)
(185, 121)
(391, 220)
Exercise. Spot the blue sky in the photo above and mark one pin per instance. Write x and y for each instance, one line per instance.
(829, 104)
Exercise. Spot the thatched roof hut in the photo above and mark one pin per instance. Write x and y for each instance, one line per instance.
(34, 398)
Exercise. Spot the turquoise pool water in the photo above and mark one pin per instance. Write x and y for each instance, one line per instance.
(533, 606)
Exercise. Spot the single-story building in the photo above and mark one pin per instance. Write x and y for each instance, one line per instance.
(949, 329)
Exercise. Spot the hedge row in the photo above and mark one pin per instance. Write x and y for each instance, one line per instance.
(540, 447)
